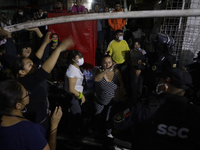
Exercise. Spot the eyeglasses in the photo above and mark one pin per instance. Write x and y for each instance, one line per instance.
(27, 94)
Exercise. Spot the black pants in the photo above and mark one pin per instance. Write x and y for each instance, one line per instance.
(76, 119)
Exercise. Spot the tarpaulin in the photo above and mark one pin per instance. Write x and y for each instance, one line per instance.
(84, 34)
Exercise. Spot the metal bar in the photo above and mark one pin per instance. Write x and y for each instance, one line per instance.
(95, 16)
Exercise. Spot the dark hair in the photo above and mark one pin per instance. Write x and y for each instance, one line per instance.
(21, 46)
(106, 6)
(117, 2)
(60, 2)
(96, 4)
(118, 31)
(3, 48)
(6, 74)
(72, 55)
(3, 13)
(107, 54)
(40, 9)
(17, 65)
(10, 94)
(52, 41)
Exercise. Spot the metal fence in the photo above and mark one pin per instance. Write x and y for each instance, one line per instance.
(184, 30)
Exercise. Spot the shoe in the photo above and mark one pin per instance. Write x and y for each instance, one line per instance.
(72, 144)
(115, 147)
(110, 136)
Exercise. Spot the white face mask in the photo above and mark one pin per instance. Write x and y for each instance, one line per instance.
(120, 38)
(20, 13)
(158, 87)
(80, 62)
(24, 110)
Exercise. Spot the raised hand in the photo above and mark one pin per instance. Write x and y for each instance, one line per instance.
(5, 33)
(47, 38)
(66, 43)
(56, 116)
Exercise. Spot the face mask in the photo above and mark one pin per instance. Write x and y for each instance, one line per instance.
(80, 62)
(55, 40)
(137, 49)
(120, 38)
(20, 13)
(158, 87)
(24, 110)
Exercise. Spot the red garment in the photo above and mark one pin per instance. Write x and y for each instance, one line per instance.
(116, 24)
(64, 10)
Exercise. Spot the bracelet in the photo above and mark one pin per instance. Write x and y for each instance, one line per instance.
(80, 96)
(54, 130)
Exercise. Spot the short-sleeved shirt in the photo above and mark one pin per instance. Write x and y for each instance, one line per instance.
(24, 135)
(78, 9)
(73, 72)
(118, 50)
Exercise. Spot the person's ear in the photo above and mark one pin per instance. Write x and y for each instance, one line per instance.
(22, 72)
(74, 60)
(18, 106)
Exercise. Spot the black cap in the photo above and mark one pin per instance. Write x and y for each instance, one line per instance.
(178, 78)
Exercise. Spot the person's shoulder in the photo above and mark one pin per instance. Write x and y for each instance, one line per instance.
(72, 69)
(124, 41)
(112, 42)
(27, 125)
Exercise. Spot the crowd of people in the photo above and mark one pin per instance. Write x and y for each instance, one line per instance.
(147, 99)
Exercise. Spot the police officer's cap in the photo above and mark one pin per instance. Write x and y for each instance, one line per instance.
(178, 78)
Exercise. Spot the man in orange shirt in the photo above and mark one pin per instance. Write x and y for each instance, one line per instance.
(116, 24)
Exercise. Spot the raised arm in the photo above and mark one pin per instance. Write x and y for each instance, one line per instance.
(51, 61)
(47, 40)
(11, 51)
(37, 31)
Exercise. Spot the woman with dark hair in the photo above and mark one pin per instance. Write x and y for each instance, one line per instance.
(34, 79)
(73, 85)
(51, 46)
(16, 132)
(107, 79)
(48, 51)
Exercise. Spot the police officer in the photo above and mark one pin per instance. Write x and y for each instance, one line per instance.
(194, 70)
(165, 122)
(161, 60)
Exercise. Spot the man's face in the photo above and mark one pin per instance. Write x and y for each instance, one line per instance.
(40, 11)
(96, 8)
(58, 5)
(119, 34)
(137, 45)
(20, 11)
(117, 7)
(3, 15)
(106, 9)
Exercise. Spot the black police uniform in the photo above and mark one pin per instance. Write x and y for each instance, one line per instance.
(163, 122)
(159, 61)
